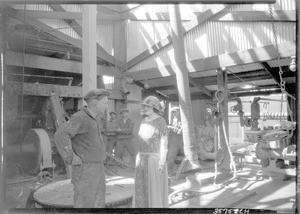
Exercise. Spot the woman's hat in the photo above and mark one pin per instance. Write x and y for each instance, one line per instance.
(152, 102)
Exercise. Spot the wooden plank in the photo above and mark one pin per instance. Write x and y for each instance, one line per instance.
(89, 57)
(212, 80)
(57, 110)
(37, 89)
(136, 2)
(272, 71)
(265, 53)
(54, 64)
(60, 194)
(76, 42)
(202, 88)
(261, 16)
(201, 19)
(67, 16)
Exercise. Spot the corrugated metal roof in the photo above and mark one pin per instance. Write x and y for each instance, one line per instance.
(279, 5)
(40, 7)
(246, 67)
(280, 62)
(213, 38)
(105, 38)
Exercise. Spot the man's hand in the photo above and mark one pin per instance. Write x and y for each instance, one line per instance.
(76, 160)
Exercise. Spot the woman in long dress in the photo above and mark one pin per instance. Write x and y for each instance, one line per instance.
(151, 173)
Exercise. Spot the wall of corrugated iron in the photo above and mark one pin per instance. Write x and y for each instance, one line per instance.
(105, 38)
(41, 7)
(212, 38)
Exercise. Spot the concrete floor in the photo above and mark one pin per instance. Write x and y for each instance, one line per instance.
(252, 189)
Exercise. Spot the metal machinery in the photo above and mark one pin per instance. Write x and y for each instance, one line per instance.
(38, 148)
(273, 146)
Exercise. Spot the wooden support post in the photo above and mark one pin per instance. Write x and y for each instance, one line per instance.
(182, 79)
(2, 140)
(120, 53)
(89, 46)
(223, 107)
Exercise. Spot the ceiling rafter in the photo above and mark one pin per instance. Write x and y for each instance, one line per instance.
(137, 1)
(101, 53)
(199, 95)
(249, 16)
(200, 86)
(265, 53)
(212, 80)
(54, 64)
(272, 71)
(279, 15)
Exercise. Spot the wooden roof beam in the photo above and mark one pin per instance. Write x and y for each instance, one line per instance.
(212, 80)
(272, 71)
(39, 89)
(201, 96)
(54, 64)
(69, 17)
(150, 90)
(200, 86)
(201, 19)
(265, 53)
(249, 16)
(279, 16)
(138, 1)
(101, 53)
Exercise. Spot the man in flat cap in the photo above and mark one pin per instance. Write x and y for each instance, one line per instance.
(125, 135)
(80, 144)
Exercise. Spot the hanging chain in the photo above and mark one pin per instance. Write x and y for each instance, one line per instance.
(282, 82)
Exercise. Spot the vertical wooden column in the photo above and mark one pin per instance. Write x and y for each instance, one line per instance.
(181, 70)
(2, 140)
(89, 46)
(223, 107)
(120, 53)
